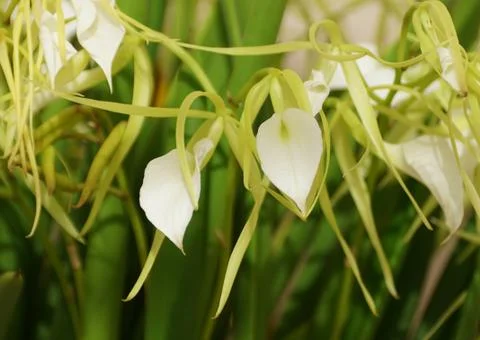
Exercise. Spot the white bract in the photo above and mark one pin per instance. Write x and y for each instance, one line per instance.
(164, 195)
(317, 91)
(99, 31)
(290, 147)
(49, 39)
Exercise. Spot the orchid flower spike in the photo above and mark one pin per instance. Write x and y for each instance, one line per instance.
(164, 195)
(431, 161)
(290, 147)
(49, 39)
(317, 91)
(99, 31)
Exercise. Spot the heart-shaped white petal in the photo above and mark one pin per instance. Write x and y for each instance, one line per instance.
(51, 50)
(430, 160)
(317, 91)
(99, 32)
(164, 195)
(290, 148)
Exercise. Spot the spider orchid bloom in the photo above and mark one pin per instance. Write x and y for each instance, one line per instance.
(317, 91)
(431, 161)
(49, 39)
(290, 147)
(164, 195)
(99, 31)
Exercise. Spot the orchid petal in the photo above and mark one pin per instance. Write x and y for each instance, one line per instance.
(317, 91)
(49, 39)
(99, 32)
(430, 160)
(69, 14)
(448, 71)
(374, 73)
(164, 196)
(201, 150)
(366, 64)
(290, 148)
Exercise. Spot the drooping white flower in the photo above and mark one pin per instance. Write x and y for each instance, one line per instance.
(49, 39)
(164, 194)
(317, 91)
(99, 32)
(431, 161)
(290, 147)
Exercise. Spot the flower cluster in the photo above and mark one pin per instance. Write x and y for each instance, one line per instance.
(97, 29)
(289, 149)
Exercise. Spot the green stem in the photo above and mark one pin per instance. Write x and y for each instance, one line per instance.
(105, 271)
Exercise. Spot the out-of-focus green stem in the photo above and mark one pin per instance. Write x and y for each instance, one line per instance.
(67, 289)
(105, 272)
(345, 292)
(10, 288)
(228, 222)
(232, 22)
(77, 267)
(137, 225)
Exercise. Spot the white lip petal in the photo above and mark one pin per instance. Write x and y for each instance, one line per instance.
(375, 74)
(317, 91)
(164, 196)
(381, 75)
(290, 148)
(201, 149)
(99, 32)
(430, 159)
(51, 51)
(365, 64)
(448, 72)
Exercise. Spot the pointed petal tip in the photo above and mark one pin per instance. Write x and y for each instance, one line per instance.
(100, 33)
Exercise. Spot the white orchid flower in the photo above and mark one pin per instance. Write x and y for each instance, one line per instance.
(431, 161)
(164, 195)
(99, 31)
(49, 39)
(317, 91)
(290, 147)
